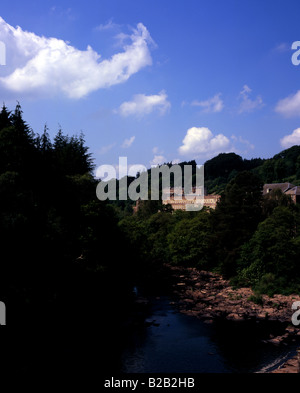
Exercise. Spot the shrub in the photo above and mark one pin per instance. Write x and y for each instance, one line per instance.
(257, 299)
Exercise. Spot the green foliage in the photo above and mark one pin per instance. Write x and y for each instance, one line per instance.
(252, 240)
(267, 284)
(248, 238)
(59, 242)
(147, 208)
(55, 233)
(274, 199)
(190, 241)
(257, 299)
(223, 165)
(280, 168)
(235, 219)
(223, 168)
(272, 252)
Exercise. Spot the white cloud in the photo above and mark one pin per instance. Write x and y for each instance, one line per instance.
(118, 171)
(212, 105)
(157, 151)
(142, 105)
(158, 160)
(282, 47)
(200, 142)
(240, 145)
(106, 149)
(128, 142)
(248, 104)
(51, 66)
(109, 25)
(289, 106)
(60, 12)
(243, 141)
(291, 140)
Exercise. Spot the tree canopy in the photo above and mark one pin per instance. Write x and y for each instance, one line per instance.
(59, 242)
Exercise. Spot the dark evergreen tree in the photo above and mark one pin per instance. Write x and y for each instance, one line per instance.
(236, 218)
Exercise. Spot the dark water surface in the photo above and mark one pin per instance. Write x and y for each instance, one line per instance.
(167, 341)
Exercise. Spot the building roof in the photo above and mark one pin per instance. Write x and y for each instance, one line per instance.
(294, 191)
(284, 187)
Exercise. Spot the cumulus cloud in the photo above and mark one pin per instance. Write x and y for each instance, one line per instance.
(142, 105)
(158, 160)
(109, 25)
(289, 106)
(128, 142)
(248, 104)
(212, 105)
(201, 142)
(291, 140)
(51, 66)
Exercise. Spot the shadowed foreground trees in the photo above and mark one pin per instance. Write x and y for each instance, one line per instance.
(236, 218)
(69, 261)
(58, 241)
(62, 261)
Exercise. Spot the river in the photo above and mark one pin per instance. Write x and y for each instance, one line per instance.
(166, 341)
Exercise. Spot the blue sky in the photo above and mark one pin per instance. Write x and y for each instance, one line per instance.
(156, 81)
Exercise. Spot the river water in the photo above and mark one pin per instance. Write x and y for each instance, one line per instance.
(167, 341)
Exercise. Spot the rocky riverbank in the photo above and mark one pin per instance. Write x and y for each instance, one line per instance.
(209, 296)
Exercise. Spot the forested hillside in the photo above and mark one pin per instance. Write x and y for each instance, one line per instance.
(283, 167)
(58, 251)
(251, 239)
(62, 248)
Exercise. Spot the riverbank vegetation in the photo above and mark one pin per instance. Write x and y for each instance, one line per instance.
(64, 250)
(251, 239)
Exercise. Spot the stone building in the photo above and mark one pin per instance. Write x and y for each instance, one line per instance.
(286, 188)
(185, 203)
